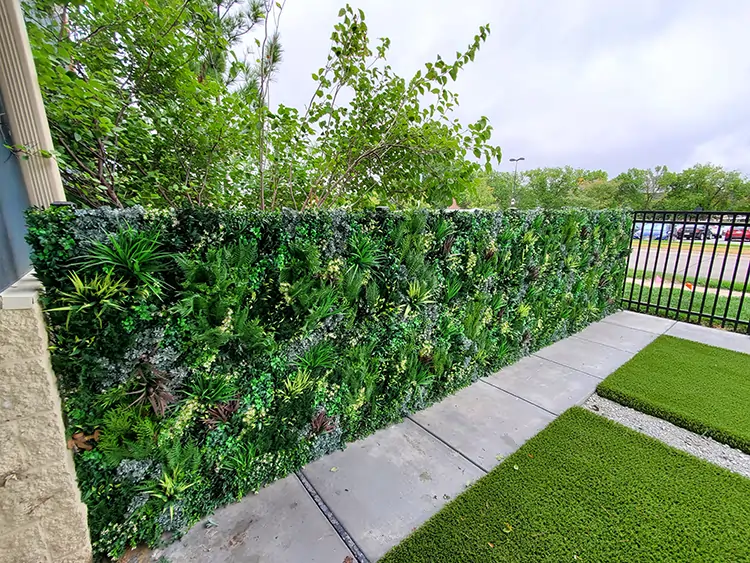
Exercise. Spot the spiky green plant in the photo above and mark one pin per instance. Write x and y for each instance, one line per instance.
(352, 283)
(178, 469)
(319, 356)
(324, 303)
(240, 458)
(296, 384)
(98, 295)
(130, 254)
(452, 288)
(418, 294)
(211, 388)
(443, 229)
(365, 254)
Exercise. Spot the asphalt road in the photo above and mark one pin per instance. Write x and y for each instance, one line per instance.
(682, 261)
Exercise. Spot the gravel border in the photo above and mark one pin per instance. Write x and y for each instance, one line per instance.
(685, 440)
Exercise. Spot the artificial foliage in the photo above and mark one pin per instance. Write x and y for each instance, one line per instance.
(202, 353)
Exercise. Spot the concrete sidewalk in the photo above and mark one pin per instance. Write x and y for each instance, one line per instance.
(358, 503)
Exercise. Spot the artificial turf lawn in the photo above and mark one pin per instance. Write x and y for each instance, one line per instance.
(699, 387)
(588, 489)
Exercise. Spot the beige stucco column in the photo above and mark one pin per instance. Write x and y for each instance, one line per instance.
(24, 107)
(42, 518)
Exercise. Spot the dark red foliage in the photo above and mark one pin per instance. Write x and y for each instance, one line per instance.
(152, 387)
(221, 413)
(321, 423)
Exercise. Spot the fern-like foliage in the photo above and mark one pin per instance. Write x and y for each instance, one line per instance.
(360, 374)
(125, 434)
(352, 284)
(372, 294)
(304, 262)
(217, 299)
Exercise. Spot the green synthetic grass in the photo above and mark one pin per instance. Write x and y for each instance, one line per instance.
(699, 387)
(587, 489)
(739, 308)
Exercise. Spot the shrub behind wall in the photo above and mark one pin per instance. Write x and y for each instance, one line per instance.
(202, 354)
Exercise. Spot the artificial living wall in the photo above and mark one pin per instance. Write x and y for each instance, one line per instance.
(202, 354)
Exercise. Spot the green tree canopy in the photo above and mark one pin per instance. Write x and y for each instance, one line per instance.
(148, 103)
(704, 186)
(143, 98)
(707, 186)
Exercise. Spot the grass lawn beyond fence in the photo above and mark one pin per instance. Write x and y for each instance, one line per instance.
(644, 277)
(739, 308)
(588, 489)
(699, 387)
(722, 246)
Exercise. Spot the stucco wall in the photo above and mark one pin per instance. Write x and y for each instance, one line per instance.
(42, 518)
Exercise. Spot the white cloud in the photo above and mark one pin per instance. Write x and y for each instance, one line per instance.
(731, 151)
(599, 84)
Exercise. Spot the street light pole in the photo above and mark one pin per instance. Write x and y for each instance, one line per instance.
(515, 175)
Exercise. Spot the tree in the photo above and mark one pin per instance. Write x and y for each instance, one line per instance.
(478, 194)
(148, 104)
(597, 193)
(554, 187)
(501, 184)
(139, 96)
(709, 187)
(641, 189)
(393, 143)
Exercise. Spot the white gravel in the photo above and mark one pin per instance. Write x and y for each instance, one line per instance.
(695, 444)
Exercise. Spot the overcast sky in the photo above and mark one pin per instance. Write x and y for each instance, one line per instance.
(604, 84)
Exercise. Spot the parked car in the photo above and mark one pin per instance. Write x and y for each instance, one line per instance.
(652, 231)
(720, 233)
(693, 232)
(737, 233)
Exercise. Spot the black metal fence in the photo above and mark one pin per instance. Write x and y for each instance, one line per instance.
(691, 265)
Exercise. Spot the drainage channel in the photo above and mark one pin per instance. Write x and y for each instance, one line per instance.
(340, 530)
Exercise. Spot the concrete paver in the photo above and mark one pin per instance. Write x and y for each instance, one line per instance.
(483, 422)
(639, 321)
(712, 336)
(590, 357)
(389, 483)
(545, 383)
(280, 523)
(620, 337)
